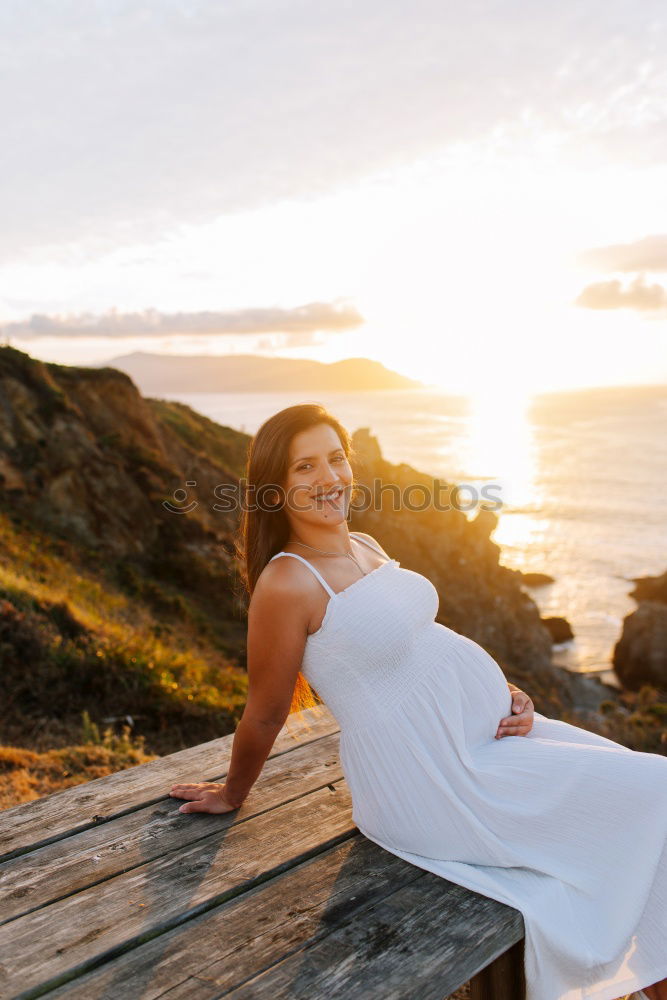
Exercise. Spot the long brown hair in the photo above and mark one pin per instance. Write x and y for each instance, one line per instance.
(263, 532)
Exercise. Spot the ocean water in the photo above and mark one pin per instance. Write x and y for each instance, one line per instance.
(581, 476)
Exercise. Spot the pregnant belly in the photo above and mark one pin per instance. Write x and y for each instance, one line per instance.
(413, 778)
(470, 681)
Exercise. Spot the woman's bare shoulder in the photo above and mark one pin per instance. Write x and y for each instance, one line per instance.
(283, 595)
(284, 576)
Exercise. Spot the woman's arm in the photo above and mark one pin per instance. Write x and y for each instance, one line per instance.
(252, 745)
(278, 618)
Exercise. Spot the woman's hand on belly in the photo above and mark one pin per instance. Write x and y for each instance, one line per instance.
(520, 722)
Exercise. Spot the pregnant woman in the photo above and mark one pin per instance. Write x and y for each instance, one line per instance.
(447, 767)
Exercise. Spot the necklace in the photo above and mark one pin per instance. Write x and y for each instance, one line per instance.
(348, 555)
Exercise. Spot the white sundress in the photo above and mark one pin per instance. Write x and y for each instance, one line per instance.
(568, 827)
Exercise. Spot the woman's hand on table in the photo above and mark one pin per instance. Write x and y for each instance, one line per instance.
(520, 722)
(203, 797)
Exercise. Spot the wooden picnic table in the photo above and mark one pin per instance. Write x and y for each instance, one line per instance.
(109, 893)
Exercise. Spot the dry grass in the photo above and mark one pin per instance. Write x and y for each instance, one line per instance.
(461, 994)
(26, 775)
(72, 639)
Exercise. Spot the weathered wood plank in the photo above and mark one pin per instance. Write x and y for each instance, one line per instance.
(285, 919)
(88, 858)
(423, 940)
(159, 904)
(259, 927)
(33, 824)
(503, 979)
(68, 936)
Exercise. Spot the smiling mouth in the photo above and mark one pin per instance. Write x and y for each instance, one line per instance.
(332, 497)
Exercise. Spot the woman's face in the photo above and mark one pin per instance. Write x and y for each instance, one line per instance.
(317, 466)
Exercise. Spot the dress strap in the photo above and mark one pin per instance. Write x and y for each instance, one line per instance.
(371, 545)
(310, 566)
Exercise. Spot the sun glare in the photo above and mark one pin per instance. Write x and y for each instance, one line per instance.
(500, 446)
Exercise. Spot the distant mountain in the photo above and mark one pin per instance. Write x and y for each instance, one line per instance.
(164, 373)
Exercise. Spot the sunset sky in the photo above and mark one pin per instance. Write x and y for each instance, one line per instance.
(472, 194)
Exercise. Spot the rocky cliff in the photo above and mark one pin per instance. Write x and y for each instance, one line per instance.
(640, 655)
(115, 604)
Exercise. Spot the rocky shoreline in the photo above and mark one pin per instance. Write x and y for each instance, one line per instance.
(120, 594)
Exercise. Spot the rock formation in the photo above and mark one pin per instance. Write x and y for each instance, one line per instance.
(640, 655)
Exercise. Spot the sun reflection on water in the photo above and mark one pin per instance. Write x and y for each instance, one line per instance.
(499, 446)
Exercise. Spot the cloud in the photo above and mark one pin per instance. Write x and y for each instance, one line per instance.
(301, 323)
(647, 254)
(612, 295)
(123, 120)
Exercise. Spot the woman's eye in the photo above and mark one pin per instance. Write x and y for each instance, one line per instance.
(306, 465)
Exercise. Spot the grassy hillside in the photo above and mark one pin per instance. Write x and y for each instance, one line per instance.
(82, 636)
(110, 604)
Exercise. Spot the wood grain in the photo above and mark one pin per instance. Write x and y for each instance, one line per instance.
(34, 824)
(133, 839)
(109, 893)
(70, 935)
(354, 922)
